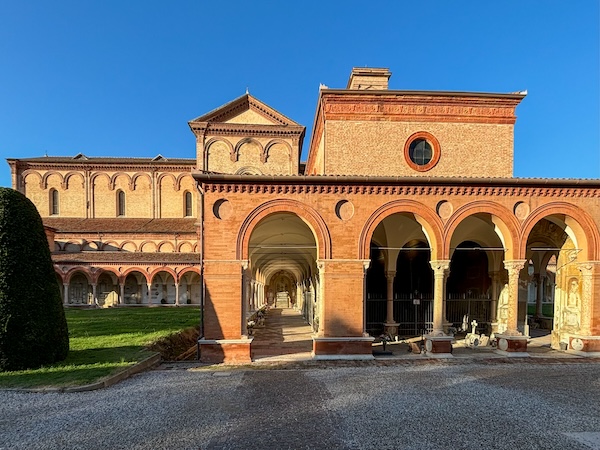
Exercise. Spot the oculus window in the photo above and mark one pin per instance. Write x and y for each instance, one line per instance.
(422, 151)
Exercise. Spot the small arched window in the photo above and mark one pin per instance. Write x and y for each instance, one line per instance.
(54, 202)
(120, 203)
(188, 204)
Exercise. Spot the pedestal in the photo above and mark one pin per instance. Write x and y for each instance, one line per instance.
(512, 345)
(343, 347)
(228, 351)
(439, 346)
(391, 329)
(585, 345)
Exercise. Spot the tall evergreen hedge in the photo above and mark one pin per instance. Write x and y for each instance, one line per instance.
(33, 327)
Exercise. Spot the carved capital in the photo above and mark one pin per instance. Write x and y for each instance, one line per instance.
(440, 267)
(514, 267)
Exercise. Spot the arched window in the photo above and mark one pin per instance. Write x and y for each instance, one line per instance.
(120, 203)
(188, 204)
(53, 202)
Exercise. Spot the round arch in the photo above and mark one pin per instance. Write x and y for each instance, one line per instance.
(429, 220)
(505, 222)
(106, 270)
(75, 270)
(72, 174)
(139, 270)
(579, 221)
(304, 212)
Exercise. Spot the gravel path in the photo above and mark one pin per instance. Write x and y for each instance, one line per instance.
(409, 406)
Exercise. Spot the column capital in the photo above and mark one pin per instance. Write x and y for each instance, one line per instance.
(245, 264)
(440, 266)
(390, 274)
(514, 266)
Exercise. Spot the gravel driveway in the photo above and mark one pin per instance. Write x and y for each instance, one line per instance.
(436, 405)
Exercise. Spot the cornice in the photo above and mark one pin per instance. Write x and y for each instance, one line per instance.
(250, 130)
(515, 187)
(92, 166)
(408, 107)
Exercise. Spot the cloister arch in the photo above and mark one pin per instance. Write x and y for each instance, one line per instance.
(429, 221)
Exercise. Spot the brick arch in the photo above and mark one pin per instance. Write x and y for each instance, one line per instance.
(30, 172)
(232, 151)
(585, 229)
(304, 212)
(124, 243)
(69, 175)
(271, 143)
(115, 176)
(136, 269)
(247, 140)
(195, 270)
(426, 217)
(44, 181)
(162, 245)
(181, 177)
(507, 223)
(103, 270)
(59, 274)
(78, 269)
(101, 175)
(136, 176)
(163, 269)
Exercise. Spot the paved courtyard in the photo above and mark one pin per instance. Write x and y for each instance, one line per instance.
(428, 404)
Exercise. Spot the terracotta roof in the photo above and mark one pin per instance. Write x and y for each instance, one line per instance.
(121, 225)
(124, 257)
(107, 160)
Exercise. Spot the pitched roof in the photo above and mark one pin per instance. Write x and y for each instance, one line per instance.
(124, 257)
(241, 104)
(121, 225)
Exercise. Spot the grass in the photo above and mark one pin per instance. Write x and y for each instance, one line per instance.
(103, 342)
(547, 309)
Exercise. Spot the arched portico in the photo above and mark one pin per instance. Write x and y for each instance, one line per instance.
(560, 246)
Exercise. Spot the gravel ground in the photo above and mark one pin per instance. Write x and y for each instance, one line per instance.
(440, 405)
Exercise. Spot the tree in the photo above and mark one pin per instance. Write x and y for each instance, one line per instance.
(33, 327)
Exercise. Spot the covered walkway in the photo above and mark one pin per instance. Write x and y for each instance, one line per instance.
(285, 336)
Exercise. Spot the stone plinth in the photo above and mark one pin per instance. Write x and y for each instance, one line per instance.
(391, 329)
(512, 345)
(343, 347)
(585, 345)
(438, 345)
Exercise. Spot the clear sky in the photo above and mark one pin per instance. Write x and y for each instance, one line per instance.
(123, 78)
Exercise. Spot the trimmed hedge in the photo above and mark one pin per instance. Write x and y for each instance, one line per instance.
(33, 327)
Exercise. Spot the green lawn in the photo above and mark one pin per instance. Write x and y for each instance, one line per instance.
(547, 309)
(105, 341)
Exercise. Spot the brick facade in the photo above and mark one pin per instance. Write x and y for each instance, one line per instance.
(405, 196)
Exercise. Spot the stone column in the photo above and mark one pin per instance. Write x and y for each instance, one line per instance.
(121, 293)
(540, 294)
(514, 268)
(149, 293)
(66, 293)
(390, 327)
(177, 293)
(440, 271)
(94, 295)
(437, 343)
(495, 276)
(587, 293)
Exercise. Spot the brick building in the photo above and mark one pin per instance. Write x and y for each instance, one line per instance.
(405, 219)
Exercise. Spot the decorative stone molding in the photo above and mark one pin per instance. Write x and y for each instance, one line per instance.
(292, 188)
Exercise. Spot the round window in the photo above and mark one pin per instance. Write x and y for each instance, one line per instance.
(422, 151)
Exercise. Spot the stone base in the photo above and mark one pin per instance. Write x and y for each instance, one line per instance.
(507, 344)
(391, 329)
(438, 345)
(585, 345)
(228, 351)
(343, 347)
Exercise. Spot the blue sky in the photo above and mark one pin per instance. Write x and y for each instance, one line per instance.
(122, 78)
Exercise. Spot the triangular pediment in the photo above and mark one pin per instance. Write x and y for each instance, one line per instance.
(246, 110)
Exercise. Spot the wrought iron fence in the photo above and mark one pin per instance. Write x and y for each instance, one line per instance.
(414, 316)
